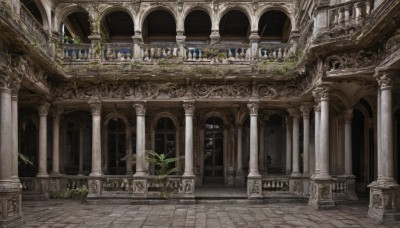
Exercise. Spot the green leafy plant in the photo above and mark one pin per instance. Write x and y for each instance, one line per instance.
(163, 168)
(24, 159)
(75, 194)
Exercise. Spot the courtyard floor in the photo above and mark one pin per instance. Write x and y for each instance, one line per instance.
(65, 213)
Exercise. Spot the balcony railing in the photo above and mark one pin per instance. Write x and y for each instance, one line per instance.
(34, 27)
(215, 54)
(349, 13)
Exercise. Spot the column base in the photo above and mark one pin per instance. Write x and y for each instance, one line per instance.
(296, 185)
(10, 200)
(384, 203)
(96, 174)
(94, 187)
(42, 175)
(321, 194)
(53, 174)
(254, 184)
(139, 187)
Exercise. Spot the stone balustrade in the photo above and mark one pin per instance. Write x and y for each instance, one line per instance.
(118, 51)
(348, 12)
(275, 184)
(75, 52)
(153, 53)
(275, 52)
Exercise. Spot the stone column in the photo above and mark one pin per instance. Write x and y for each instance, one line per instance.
(239, 167)
(56, 142)
(385, 192)
(348, 156)
(261, 146)
(254, 177)
(321, 184)
(10, 190)
(80, 172)
(305, 112)
(6, 148)
(129, 150)
(180, 41)
(288, 145)
(43, 110)
(189, 110)
(140, 139)
(137, 41)
(317, 114)
(14, 110)
(296, 147)
(254, 39)
(95, 107)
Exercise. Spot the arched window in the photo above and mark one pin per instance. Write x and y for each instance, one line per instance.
(197, 26)
(117, 27)
(274, 26)
(159, 26)
(234, 26)
(76, 28)
(214, 150)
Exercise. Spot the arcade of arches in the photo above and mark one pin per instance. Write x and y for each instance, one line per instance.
(297, 98)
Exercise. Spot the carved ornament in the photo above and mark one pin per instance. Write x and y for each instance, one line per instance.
(253, 108)
(140, 109)
(95, 107)
(43, 109)
(189, 108)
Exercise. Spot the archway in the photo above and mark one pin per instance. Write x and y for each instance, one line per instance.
(75, 28)
(234, 26)
(274, 26)
(33, 8)
(159, 26)
(274, 154)
(197, 26)
(213, 151)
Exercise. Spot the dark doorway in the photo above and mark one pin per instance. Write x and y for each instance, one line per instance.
(214, 151)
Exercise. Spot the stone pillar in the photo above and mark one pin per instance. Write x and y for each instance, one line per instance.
(379, 151)
(305, 112)
(129, 150)
(80, 172)
(385, 192)
(10, 190)
(140, 139)
(43, 110)
(296, 147)
(321, 184)
(189, 110)
(254, 177)
(95, 107)
(180, 41)
(137, 50)
(56, 142)
(317, 114)
(288, 145)
(254, 39)
(14, 110)
(348, 156)
(261, 146)
(239, 167)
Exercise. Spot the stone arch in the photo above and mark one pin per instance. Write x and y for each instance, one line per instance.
(205, 24)
(240, 8)
(143, 16)
(116, 115)
(113, 9)
(210, 114)
(282, 9)
(43, 13)
(192, 8)
(160, 115)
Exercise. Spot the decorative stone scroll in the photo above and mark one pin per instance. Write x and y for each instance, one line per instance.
(385, 80)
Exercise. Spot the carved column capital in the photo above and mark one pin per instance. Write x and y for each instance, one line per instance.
(385, 80)
(317, 107)
(321, 93)
(95, 107)
(305, 111)
(5, 80)
(140, 109)
(253, 108)
(348, 115)
(57, 112)
(288, 120)
(43, 109)
(188, 106)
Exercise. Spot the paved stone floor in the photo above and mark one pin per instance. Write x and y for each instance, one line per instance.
(56, 213)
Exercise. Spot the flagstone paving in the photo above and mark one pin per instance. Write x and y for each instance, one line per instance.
(58, 213)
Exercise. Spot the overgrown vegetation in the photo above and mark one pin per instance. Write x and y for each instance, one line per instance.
(163, 168)
(75, 194)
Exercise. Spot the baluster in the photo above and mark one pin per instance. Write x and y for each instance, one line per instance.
(194, 55)
(367, 7)
(146, 55)
(230, 55)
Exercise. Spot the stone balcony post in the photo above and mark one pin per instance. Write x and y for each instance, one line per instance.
(254, 39)
(180, 41)
(137, 50)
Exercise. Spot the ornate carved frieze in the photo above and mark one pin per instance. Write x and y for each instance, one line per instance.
(361, 59)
